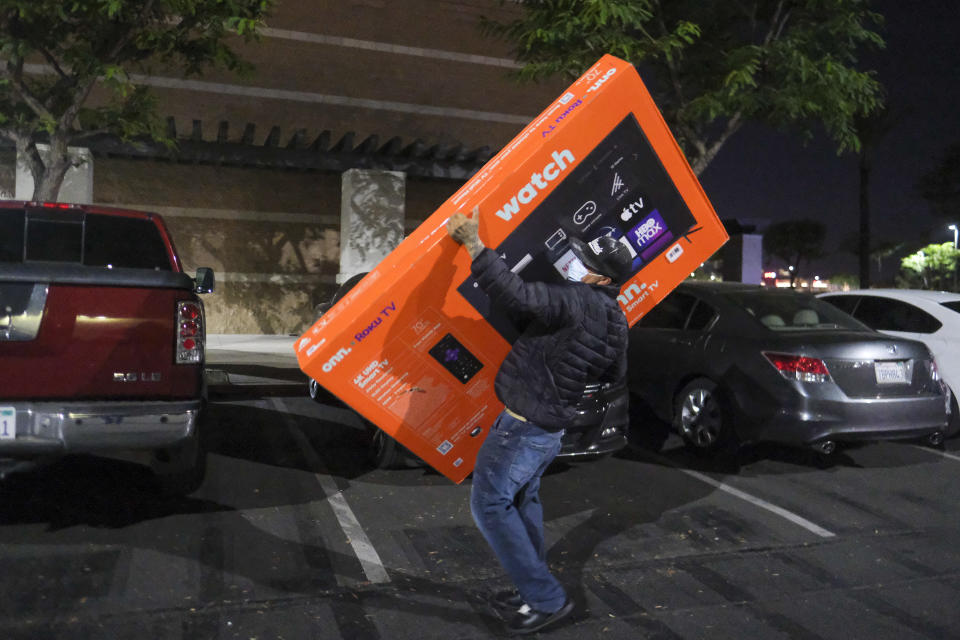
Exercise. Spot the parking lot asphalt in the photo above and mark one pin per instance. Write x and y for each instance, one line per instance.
(295, 535)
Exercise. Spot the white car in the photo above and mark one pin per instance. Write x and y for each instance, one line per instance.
(933, 317)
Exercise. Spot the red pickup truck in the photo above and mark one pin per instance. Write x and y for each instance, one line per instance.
(101, 341)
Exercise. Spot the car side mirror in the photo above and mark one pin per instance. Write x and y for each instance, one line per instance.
(204, 280)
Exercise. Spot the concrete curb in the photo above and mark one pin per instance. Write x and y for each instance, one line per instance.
(252, 343)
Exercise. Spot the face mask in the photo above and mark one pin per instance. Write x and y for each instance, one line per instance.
(576, 270)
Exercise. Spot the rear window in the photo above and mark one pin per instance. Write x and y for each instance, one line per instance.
(91, 239)
(11, 236)
(789, 311)
(54, 239)
(845, 303)
(124, 242)
(670, 313)
(953, 305)
(887, 314)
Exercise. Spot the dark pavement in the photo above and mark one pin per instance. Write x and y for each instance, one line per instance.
(294, 535)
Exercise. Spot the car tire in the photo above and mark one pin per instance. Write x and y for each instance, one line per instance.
(313, 388)
(384, 451)
(701, 418)
(953, 426)
(180, 470)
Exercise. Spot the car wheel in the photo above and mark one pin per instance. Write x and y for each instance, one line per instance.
(313, 388)
(700, 419)
(180, 470)
(953, 426)
(385, 452)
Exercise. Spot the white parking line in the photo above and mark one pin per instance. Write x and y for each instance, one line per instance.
(760, 502)
(356, 536)
(752, 499)
(938, 452)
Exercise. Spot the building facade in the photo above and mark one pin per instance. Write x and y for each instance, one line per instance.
(361, 118)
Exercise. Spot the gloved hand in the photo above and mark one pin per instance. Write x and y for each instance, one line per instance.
(465, 230)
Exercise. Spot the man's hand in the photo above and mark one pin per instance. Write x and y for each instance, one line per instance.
(465, 229)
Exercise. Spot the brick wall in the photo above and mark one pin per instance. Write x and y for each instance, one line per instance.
(272, 237)
(417, 69)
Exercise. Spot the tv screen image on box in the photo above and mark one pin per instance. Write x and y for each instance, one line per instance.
(620, 189)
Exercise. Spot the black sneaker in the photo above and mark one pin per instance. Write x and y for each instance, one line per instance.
(506, 601)
(528, 620)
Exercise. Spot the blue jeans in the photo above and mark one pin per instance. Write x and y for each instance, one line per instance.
(505, 503)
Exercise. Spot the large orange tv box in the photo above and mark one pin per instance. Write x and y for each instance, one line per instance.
(415, 346)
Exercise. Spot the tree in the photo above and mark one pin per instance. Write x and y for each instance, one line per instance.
(796, 242)
(879, 252)
(54, 53)
(933, 267)
(941, 185)
(713, 66)
(870, 129)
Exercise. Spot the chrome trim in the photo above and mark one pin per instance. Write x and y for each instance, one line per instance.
(25, 326)
(86, 427)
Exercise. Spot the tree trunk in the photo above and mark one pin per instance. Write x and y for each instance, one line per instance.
(865, 218)
(57, 162)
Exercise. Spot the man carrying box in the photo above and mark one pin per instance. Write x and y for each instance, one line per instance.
(571, 335)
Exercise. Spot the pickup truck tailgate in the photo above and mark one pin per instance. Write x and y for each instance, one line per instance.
(94, 340)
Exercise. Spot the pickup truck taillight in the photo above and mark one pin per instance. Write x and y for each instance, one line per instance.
(190, 333)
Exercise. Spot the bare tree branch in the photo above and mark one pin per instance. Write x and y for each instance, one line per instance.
(20, 89)
(54, 63)
(777, 23)
(10, 133)
(128, 36)
(704, 159)
(80, 96)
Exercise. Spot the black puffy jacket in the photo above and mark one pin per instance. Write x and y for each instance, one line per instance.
(572, 334)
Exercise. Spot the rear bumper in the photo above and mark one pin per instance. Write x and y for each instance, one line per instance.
(52, 428)
(581, 443)
(594, 449)
(854, 420)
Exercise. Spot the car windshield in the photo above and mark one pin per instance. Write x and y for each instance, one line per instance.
(953, 305)
(791, 311)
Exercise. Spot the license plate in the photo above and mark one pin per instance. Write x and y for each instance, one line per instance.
(8, 423)
(891, 372)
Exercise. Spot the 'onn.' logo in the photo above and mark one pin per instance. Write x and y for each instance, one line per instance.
(335, 360)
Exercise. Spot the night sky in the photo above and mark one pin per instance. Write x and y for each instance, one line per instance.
(763, 175)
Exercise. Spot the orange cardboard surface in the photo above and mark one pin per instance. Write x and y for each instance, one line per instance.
(415, 346)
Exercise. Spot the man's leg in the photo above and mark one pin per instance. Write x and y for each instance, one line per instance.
(530, 508)
(513, 454)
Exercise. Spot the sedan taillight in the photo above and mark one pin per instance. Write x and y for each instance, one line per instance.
(802, 368)
(190, 333)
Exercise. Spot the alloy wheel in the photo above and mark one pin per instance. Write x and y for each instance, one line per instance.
(701, 421)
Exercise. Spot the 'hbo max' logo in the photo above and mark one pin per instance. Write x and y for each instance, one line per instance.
(645, 233)
(650, 236)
